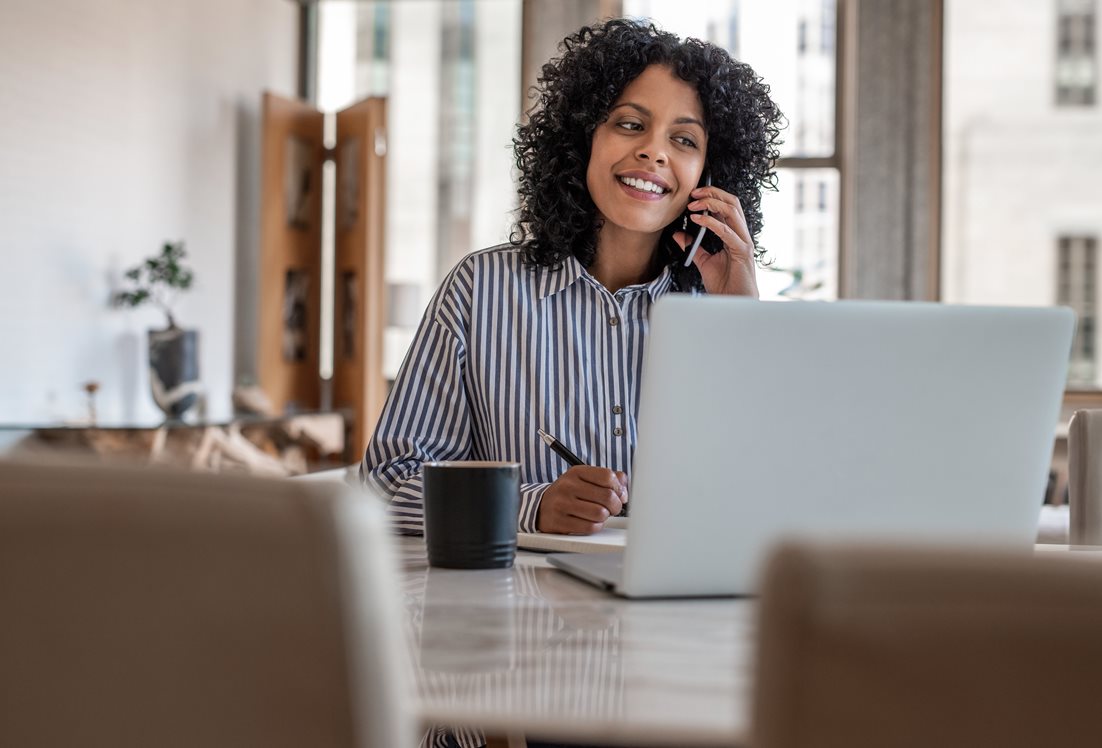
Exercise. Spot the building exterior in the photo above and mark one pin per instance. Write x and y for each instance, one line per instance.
(1022, 199)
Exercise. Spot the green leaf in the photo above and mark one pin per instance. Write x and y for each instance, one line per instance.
(163, 269)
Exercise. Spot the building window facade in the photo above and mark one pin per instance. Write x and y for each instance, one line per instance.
(1020, 169)
(1076, 277)
(1076, 66)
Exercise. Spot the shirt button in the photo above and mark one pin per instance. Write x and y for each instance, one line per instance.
(617, 431)
(614, 321)
(617, 409)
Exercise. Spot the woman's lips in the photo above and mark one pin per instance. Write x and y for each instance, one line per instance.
(643, 195)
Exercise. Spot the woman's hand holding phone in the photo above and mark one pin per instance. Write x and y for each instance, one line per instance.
(731, 270)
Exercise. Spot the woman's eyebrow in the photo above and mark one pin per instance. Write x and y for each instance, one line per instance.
(647, 113)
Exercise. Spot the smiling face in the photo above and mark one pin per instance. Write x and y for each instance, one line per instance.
(648, 155)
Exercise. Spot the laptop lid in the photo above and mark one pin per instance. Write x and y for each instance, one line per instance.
(883, 420)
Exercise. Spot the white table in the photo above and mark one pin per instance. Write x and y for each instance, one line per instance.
(530, 650)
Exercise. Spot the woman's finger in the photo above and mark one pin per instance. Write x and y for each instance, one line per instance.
(715, 193)
(586, 510)
(730, 213)
(728, 234)
(598, 476)
(573, 526)
(608, 498)
(727, 204)
(716, 207)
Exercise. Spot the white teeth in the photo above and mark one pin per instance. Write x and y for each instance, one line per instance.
(642, 184)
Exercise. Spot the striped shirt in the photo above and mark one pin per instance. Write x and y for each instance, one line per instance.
(505, 349)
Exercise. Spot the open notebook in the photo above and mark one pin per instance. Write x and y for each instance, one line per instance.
(608, 540)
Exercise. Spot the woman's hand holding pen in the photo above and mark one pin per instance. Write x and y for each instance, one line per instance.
(581, 500)
(732, 269)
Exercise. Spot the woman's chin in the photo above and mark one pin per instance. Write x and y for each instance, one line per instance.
(635, 226)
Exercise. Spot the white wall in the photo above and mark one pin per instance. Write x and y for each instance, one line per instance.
(126, 123)
(1019, 170)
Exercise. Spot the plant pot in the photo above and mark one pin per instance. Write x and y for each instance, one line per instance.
(174, 370)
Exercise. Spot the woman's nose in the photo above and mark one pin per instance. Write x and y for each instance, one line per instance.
(652, 151)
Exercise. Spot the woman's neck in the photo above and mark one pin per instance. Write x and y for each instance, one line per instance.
(624, 258)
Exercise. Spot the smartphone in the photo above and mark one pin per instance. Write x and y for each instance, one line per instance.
(705, 182)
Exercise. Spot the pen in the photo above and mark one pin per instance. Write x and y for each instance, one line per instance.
(560, 449)
(572, 459)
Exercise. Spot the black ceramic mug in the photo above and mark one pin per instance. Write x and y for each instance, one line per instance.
(471, 511)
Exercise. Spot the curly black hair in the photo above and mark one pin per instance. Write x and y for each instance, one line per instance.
(557, 217)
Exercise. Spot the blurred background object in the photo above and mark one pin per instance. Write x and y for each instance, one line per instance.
(925, 646)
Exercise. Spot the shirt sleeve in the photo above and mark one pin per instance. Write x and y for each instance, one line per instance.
(530, 496)
(427, 418)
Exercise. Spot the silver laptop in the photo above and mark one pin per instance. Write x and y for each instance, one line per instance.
(893, 421)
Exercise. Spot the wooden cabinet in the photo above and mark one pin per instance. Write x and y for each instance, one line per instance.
(291, 302)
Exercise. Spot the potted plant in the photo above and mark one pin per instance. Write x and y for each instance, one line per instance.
(173, 351)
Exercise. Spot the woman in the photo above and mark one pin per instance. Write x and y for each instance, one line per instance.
(547, 332)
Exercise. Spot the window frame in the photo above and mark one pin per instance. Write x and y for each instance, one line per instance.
(843, 10)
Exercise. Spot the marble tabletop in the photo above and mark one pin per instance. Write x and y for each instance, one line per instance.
(531, 650)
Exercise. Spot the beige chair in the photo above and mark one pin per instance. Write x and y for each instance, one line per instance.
(928, 648)
(1085, 477)
(146, 608)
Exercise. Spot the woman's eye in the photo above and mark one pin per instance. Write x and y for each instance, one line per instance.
(630, 125)
(687, 142)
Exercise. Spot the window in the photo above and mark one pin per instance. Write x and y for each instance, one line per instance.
(450, 70)
(1020, 191)
(827, 20)
(1076, 275)
(1076, 73)
(778, 39)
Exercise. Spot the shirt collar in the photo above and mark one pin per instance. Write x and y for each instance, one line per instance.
(552, 281)
(661, 285)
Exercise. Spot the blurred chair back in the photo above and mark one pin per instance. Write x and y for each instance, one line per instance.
(1085, 477)
(149, 608)
(900, 648)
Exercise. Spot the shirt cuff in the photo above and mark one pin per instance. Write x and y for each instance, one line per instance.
(530, 496)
